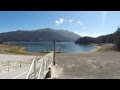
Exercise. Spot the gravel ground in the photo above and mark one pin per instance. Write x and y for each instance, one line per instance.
(96, 65)
(25, 60)
(10, 57)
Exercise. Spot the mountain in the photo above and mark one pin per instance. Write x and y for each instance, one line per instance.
(110, 38)
(45, 34)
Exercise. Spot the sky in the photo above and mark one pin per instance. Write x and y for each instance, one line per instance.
(84, 23)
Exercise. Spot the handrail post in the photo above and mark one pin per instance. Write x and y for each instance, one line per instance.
(27, 77)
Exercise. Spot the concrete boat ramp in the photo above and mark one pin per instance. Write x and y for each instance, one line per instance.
(97, 65)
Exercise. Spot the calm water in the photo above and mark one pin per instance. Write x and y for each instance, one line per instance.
(62, 46)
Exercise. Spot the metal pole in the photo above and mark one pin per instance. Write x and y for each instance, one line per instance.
(54, 51)
(20, 63)
(46, 46)
(8, 66)
(51, 46)
(35, 69)
(59, 47)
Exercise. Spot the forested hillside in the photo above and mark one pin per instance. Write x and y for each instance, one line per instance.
(46, 34)
(110, 38)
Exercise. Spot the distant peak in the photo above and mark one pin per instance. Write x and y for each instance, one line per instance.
(19, 30)
(43, 29)
(47, 28)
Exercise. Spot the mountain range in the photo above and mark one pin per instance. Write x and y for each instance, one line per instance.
(45, 34)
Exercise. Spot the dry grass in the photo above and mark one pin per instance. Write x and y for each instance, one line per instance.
(11, 49)
(106, 47)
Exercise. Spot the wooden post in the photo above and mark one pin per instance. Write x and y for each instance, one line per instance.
(35, 69)
(54, 51)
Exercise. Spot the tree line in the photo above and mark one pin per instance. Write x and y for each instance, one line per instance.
(110, 38)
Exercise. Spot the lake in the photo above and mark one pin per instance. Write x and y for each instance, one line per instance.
(62, 46)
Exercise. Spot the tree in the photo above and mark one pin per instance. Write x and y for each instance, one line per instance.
(118, 46)
(1, 41)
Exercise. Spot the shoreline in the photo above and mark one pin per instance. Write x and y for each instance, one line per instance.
(17, 50)
(97, 48)
(93, 51)
(13, 49)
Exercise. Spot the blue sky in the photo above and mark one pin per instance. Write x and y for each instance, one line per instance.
(90, 23)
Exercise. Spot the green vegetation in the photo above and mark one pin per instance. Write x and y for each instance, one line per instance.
(85, 40)
(110, 38)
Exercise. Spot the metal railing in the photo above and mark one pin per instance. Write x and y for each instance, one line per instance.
(40, 67)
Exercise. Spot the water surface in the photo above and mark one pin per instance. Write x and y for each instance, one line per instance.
(60, 46)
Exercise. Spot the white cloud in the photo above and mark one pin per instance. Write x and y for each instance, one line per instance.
(71, 20)
(88, 34)
(57, 22)
(61, 20)
(80, 22)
